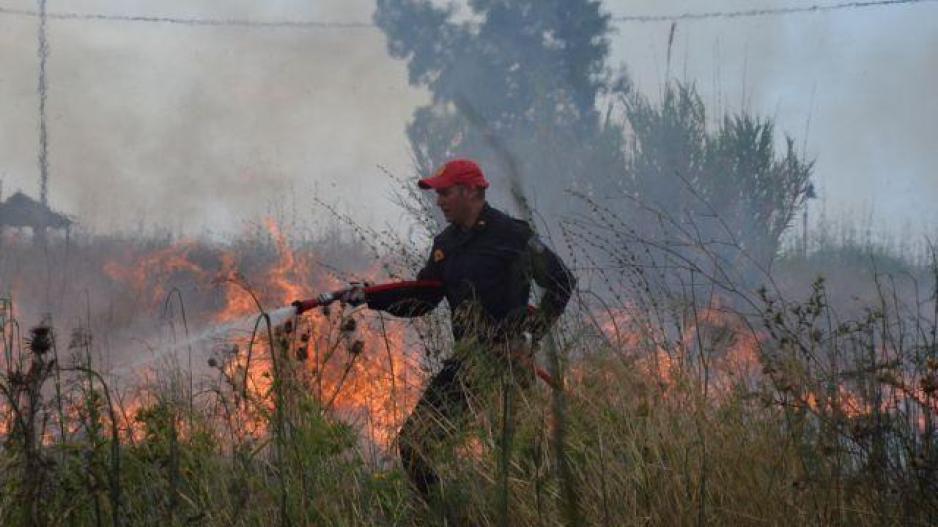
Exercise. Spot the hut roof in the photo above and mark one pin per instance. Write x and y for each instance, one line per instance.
(20, 210)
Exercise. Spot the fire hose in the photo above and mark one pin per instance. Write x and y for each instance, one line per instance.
(360, 293)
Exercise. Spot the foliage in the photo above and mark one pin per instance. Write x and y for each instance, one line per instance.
(519, 85)
(521, 79)
(729, 181)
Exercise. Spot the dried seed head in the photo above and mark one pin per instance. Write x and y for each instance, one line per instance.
(930, 384)
(17, 378)
(212, 362)
(349, 325)
(40, 339)
(357, 347)
(301, 353)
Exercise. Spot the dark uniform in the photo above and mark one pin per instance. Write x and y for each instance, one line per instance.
(486, 273)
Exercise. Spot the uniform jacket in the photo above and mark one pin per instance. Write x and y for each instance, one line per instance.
(486, 273)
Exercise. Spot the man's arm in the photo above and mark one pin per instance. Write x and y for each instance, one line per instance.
(416, 299)
(549, 272)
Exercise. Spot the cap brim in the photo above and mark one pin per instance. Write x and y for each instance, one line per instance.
(431, 183)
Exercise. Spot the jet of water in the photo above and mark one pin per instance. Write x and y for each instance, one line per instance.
(215, 333)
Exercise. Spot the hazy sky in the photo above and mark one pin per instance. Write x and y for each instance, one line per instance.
(203, 127)
(866, 79)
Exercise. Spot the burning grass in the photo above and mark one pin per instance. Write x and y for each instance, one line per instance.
(681, 407)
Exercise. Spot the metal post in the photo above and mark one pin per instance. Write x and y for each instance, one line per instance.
(42, 87)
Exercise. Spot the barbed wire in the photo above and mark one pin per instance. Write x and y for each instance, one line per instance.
(768, 11)
(321, 24)
(194, 21)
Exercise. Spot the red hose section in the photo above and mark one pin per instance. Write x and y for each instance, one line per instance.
(394, 286)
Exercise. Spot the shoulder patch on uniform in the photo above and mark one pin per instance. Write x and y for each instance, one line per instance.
(438, 255)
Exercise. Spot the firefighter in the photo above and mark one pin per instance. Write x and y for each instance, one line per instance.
(485, 261)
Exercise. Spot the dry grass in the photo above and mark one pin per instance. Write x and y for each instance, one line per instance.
(831, 422)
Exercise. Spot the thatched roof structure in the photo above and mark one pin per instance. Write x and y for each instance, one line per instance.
(20, 210)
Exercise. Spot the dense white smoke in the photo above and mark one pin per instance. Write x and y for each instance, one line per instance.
(199, 127)
(202, 127)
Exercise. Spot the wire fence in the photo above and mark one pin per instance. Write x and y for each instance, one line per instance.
(765, 12)
(325, 24)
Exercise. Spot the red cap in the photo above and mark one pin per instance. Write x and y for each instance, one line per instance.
(456, 172)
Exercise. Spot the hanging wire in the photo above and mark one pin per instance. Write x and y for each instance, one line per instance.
(324, 24)
(193, 21)
(763, 12)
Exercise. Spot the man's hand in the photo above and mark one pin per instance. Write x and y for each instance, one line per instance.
(535, 325)
(355, 294)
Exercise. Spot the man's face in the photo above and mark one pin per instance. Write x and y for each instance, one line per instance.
(455, 202)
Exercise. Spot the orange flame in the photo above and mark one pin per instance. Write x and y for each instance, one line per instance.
(375, 385)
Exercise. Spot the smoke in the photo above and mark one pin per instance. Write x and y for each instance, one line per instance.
(203, 127)
(853, 85)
